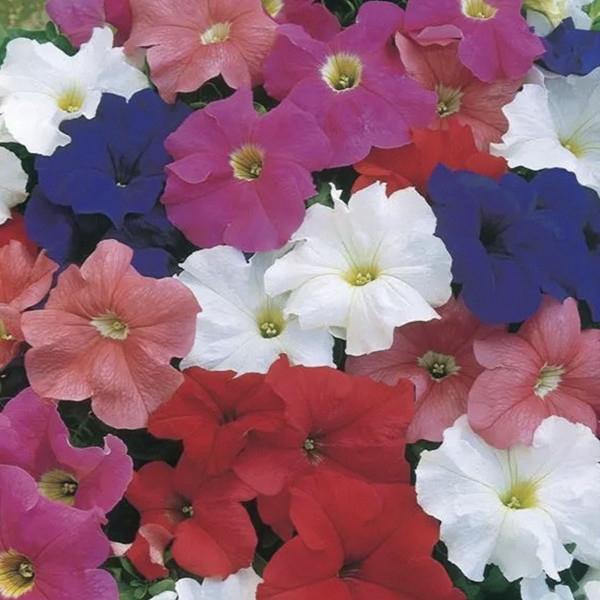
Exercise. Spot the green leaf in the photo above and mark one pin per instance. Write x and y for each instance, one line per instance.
(140, 592)
(323, 195)
(593, 9)
(127, 566)
(166, 585)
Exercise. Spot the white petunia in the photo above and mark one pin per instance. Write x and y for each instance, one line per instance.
(13, 181)
(516, 508)
(537, 589)
(544, 15)
(240, 586)
(556, 124)
(589, 586)
(364, 268)
(41, 86)
(240, 328)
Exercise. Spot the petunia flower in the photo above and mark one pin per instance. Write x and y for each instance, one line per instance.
(103, 319)
(192, 41)
(13, 181)
(115, 162)
(211, 531)
(549, 367)
(412, 165)
(41, 86)
(86, 478)
(25, 279)
(556, 124)
(240, 327)
(505, 248)
(536, 588)
(461, 97)
(47, 549)
(364, 268)
(241, 179)
(515, 508)
(438, 358)
(494, 39)
(343, 551)
(77, 18)
(543, 16)
(213, 412)
(14, 229)
(311, 15)
(352, 84)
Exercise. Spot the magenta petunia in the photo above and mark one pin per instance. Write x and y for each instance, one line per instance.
(86, 478)
(549, 367)
(192, 41)
(437, 356)
(354, 84)
(108, 333)
(48, 550)
(495, 41)
(311, 15)
(240, 178)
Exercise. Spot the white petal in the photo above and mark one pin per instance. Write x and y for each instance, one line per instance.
(13, 181)
(188, 589)
(240, 586)
(312, 348)
(537, 589)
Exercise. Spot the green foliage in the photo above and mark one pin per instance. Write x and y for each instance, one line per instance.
(593, 10)
(133, 586)
(346, 10)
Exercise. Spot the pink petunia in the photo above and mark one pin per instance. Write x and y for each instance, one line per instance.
(108, 333)
(438, 358)
(354, 84)
(311, 15)
(77, 18)
(192, 41)
(47, 549)
(549, 367)
(495, 41)
(86, 478)
(240, 178)
(24, 281)
(462, 98)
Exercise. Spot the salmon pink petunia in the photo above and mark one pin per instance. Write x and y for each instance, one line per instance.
(192, 41)
(313, 16)
(24, 281)
(413, 165)
(549, 367)
(437, 356)
(108, 333)
(495, 41)
(86, 478)
(241, 179)
(353, 83)
(462, 98)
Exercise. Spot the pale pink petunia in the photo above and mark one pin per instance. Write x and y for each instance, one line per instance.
(77, 18)
(437, 356)
(108, 333)
(461, 96)
(311, 15)
(87, 478)
(549, 367)
(192, 41)
(24, 281)
(495, 41)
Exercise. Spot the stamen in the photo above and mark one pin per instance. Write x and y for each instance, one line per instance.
(478, 9)
(522, 494)
(438, 365)
(216, 34)
(548, 380)
(342, 71)
(360, 276)
(247, 162)
(17, 575)
(449, 100)
(111, 326)
(71, 100)
(58, 485)
(188, 511)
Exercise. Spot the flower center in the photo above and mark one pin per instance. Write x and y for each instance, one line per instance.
(349, 570)
(359, 276)
(342, 71)
(71, 100)
(522, 494)
(273, 7)
(217, 33)
(448, 100)
(5, 335)
(247, 162)
(478, 9)
(111, 326)
(548, 380)
(438, 365)
(554, 10)
(17, 575)
(573, 147)
(270, 321)
(187, 511)
(312, 447)
(59, 486)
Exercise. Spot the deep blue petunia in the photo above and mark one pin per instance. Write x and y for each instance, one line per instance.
(114, 165)
(571, 51)
(68, 238)
(506, 248)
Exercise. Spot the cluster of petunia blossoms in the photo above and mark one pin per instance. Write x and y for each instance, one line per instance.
(299, 300)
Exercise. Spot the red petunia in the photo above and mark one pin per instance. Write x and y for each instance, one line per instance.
(412, 165)
(212, 533)
(336, 423)
(213, 411)
(14, 229)
(343, 553)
